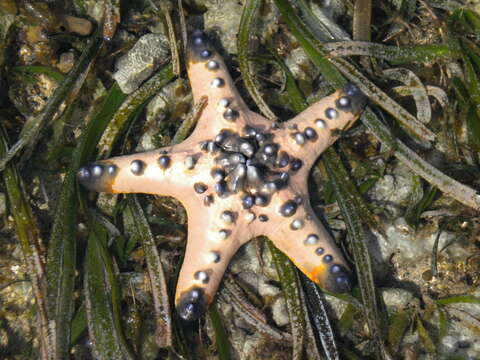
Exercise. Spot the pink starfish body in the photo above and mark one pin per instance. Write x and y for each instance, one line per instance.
(239, 176)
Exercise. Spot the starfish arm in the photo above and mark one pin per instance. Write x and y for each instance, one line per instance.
(166, 171)
(317, 127)
(209, 77)
(212, 241)
(299, 234)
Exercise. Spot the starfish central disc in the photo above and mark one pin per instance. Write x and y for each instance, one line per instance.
(251, 163)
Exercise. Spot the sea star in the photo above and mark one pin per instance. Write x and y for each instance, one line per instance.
(239, 176)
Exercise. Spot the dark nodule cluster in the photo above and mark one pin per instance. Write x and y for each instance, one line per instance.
(200, 48)
(251, 164)
(192, 304)
(340, 278)
(353, 101)
(97, 176)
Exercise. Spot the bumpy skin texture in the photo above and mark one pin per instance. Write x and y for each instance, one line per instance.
(239, 176)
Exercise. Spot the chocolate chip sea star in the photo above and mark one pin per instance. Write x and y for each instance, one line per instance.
(239, 176)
